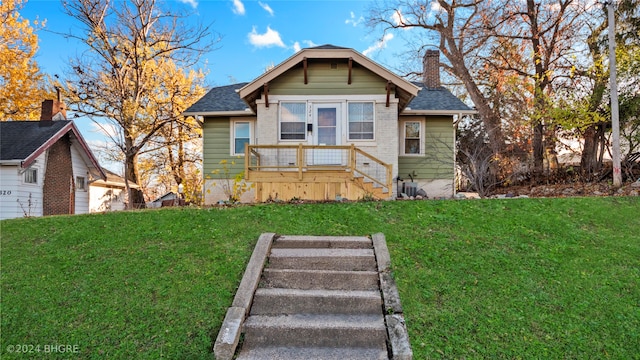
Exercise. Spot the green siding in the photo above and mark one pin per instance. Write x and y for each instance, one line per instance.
(216, 147)
(438, 161)
(323, 80)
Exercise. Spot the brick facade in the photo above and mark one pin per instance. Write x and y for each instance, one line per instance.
(58, 189)
(431, 69)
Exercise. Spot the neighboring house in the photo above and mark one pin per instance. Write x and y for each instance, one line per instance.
(168, 199)
(109, 194)
(329, 123)
(45, 166)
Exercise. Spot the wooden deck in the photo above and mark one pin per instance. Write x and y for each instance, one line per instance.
(284, 173)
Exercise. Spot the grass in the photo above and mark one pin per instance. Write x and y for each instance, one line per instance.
(521, 278)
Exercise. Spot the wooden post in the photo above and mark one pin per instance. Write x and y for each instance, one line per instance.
(247, 159)
(300, 160)
(352, 160)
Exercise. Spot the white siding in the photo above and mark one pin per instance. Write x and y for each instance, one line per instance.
(80, 168)
(106, 199)
(17, 198)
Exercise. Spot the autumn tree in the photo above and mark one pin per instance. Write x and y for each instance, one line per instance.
(22, 85)
(129, 42)
(173, 155)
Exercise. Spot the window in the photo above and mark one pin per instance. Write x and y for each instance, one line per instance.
(361, 121)
(80, 183)
(31, 176)
(241, 136)
(412, 134)
(293, 121)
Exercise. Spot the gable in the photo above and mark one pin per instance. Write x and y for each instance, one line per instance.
(328, 77)
(23, 141)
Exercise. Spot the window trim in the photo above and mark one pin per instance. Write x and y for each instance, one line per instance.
(83, 182)
(373, 121)
(232, 145)
(403, 134)
(30, 171)
(305, 120)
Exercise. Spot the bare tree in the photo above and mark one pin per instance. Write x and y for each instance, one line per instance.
(455, 27)
(128, 42)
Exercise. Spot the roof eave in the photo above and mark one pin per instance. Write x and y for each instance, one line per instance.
(245, 112)
(52, 140)
(438, 112)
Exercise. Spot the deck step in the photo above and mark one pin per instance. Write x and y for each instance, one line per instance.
(323, 259)
(320, 279)
(304, 330)
(276, 301)
(311, 353)
(342, 242)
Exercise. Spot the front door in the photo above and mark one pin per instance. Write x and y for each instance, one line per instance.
(326, 124)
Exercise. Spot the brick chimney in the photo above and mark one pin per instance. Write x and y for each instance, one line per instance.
(53, 109)
(431, 69)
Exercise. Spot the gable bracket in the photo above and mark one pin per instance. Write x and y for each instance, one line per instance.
(266, 94)
(304, 65)
(350, 67)
(388, 88)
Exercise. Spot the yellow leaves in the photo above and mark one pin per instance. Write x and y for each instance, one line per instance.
(22, 86)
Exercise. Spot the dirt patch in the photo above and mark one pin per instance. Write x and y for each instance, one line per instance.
(571, 189)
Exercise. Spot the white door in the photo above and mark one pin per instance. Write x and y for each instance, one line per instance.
(326, 131)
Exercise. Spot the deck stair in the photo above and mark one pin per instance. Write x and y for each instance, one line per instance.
(320, 297)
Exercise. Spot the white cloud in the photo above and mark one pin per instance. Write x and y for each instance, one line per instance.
(310, 43)
(106, 129)
(193, 3)
(238, 7)
(266, 7)
(268, 39)
(380, 44)
(353, 21)
(435, 6)
(296, 46)
(398, 18)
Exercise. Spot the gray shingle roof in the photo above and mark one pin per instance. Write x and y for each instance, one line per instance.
(222, 98)
(19, 139)
(225, 98)
(436, 99)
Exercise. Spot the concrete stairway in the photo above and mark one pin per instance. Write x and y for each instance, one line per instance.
(319, 298)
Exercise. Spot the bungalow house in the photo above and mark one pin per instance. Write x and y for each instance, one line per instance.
(109, 194)
(45, 166)
(329, 123)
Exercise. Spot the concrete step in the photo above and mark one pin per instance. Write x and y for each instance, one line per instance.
(320, 279)
(323, 259)
(304, 330)
(342, 242)
(277, 301)
(309, 353)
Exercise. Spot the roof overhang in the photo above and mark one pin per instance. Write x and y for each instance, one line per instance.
(438, 112)
(245, 112)
(405, 90)
(87, 155)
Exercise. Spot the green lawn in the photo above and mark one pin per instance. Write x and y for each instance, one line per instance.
(521, 278)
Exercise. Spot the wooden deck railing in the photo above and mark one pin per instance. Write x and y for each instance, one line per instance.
(304, 158)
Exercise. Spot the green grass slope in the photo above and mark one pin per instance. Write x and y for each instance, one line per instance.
(521, 278)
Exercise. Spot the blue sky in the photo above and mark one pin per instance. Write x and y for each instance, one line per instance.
(255, 35)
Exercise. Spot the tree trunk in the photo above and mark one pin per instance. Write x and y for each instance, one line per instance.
(136, 196)
(538, 150)
(589, 162)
